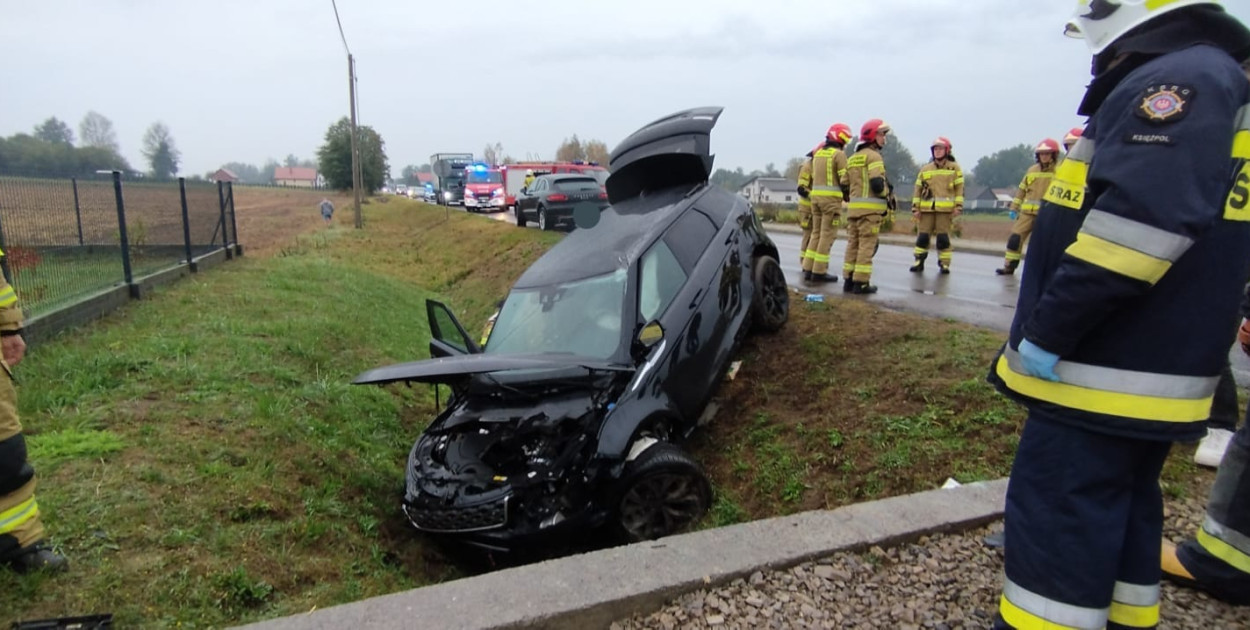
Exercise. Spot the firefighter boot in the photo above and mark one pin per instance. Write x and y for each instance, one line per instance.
(1008, 268)
(37, 557)
(807, 276)
(848, 285)
(819, 277)
(919, 266)
(944, 269)
(863, 288)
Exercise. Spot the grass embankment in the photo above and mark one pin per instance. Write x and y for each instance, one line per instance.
(203, 460)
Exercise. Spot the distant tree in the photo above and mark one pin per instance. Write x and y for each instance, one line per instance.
(731, 180)
(290, 161)
(1004, 168)
(409, 175)
(267, 170)
(792, 169)
(335, 157)
(55, 131)
(571, 149)
(97, 131)
(597, 151)
(25, 154)
(425, 168)
(900, 166)
(489, 155)
(770, 170)
(507, 159)
(160, 151)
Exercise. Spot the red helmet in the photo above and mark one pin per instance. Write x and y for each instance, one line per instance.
(873, 129)
(941, 141)
(1049, 144)
(1073, 135)
(839, 133)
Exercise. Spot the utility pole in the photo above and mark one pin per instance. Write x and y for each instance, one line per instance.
(356, 178)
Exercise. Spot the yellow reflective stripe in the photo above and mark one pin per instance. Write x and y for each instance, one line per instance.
(945, 254)
(1134, 616)
(1021, 619)
(1118, 258)
(915, 201)
(958, 180)
(863, 268)
(841, 174)
(8, 297)
(876, 166)
(1224, 551)
(14, 517)
(959, 199)
(1030, 205)
(805, 202)
(1136, 406)
(921, 250)
(1013, 256)
(867, 203)
(1, 252)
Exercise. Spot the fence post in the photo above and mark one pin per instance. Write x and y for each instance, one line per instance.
(234, 223)
(77, 209)
(186, 222)
(221, 200)
(125, 237)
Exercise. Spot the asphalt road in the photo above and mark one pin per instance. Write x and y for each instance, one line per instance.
(972, 293)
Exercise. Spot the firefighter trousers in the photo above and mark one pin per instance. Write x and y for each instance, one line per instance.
(826, 218)
(861, 246)
(1219, 559)
(1020, 231)
(935, 225)
(1084, 518)
(805, 223)
(19, 514)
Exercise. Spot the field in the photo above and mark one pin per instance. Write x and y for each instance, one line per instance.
(204, 461)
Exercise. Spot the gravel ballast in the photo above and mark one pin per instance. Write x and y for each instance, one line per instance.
(945, 582)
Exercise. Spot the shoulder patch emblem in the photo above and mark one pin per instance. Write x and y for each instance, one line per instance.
(1164, 103)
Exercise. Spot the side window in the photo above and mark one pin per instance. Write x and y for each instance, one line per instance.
(661, 278)
(689, 237)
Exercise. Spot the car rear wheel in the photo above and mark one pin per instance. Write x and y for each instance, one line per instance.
(771, 302)
(543, 222)
(663, 492)
(520, 216)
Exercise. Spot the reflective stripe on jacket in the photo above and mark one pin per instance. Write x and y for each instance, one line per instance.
(862, 168)
(828, 172)
(1032, 188)
(939, 187)
(1137, 291)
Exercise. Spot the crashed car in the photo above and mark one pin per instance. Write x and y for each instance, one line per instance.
(600, 361)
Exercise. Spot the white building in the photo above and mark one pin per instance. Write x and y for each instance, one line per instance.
(778, 190)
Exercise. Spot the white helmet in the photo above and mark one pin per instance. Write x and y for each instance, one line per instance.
(529, 171)
(1101, 22)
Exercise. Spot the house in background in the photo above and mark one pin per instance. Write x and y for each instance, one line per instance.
(297, 176)
(1004, 197)
(223, 175)
(981, 199)
(778, 190)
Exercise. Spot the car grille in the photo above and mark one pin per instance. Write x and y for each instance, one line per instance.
(464, 519)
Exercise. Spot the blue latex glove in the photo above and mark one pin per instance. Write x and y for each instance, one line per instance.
(1038, 362)
(1013, 214)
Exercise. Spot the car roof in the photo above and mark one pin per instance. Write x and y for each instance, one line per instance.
(625, 230)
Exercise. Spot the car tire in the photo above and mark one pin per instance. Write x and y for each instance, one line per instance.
(770, 304)
(520, 217)
(662, 492)
(543, 222)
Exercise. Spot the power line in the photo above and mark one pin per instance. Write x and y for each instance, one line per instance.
(340, 23)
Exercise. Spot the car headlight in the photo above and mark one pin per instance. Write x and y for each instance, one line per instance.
(496, 192)
(447, 195)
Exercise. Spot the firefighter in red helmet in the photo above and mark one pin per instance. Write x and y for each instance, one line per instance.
(828, 192)
(869, 192)
(1028, 200)
(1069, 139)
(938, 199)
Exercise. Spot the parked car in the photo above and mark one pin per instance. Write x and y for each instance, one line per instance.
(551, 199)
(600, 362)
(429, 194)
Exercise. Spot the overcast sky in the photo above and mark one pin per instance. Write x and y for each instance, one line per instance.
(245, 80)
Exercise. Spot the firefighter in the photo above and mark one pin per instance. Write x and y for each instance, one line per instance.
(938, 199)
(529, 179)
(868, 190)
(1027, 202)
(1070, 139)
(22, 546)
(805, 209)
(1127, 308)
(828, 186)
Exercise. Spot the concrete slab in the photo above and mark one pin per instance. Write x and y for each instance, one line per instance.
(594, 589)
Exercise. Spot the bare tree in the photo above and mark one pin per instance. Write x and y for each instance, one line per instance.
(571, 149)
(597, 151)
(96, 130)
(159, 149)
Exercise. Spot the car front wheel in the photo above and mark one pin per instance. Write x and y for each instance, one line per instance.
(663, 492)
(770, 304)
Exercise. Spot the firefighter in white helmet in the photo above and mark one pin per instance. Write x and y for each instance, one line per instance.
(1128, 304)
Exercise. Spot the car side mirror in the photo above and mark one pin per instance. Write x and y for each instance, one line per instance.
(650, 334)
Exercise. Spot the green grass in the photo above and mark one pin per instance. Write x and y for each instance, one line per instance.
(203, 459)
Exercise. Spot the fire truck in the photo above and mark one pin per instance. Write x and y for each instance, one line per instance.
(483, 188)
(514, 175)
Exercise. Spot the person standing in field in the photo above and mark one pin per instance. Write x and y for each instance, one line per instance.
(327, 210)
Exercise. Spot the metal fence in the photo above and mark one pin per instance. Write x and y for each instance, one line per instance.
(66, 239)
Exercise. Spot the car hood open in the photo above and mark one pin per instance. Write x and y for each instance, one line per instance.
(448, 370)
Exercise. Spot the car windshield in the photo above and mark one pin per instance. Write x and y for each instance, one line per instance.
(577, 184)
(485, 177)
(581, 317)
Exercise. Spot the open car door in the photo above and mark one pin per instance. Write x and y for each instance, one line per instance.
(447, 336)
